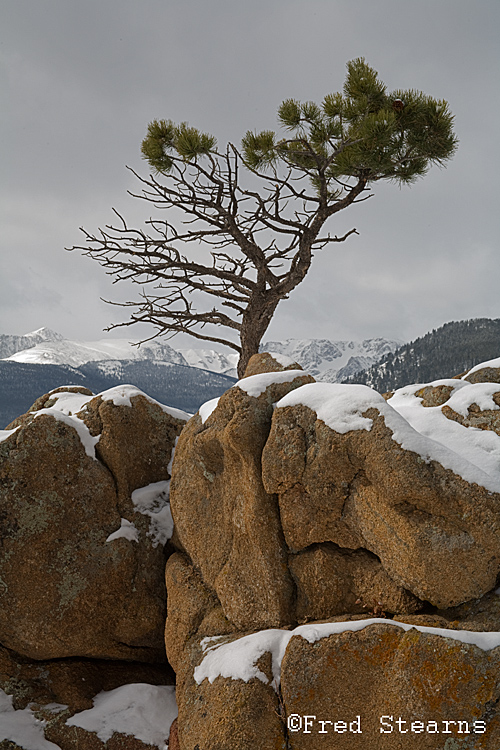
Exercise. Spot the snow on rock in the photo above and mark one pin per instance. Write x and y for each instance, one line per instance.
(468, 446)
(69, 402)
(88, 441)
(476, 393)
(282, 359)
(472, 454)
(257, 384)
(152, 501)
(338, 406)
(491, 363)
(120, 395)
(172, 454)
(4, 434)
(207, 408)
(141, 710)
(22, 727)
(237, 659)
(127, 530)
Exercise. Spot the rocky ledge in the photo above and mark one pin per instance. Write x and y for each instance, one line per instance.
(332, 558)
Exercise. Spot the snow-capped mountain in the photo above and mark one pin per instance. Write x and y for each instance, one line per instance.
(208, 359)
(10, 344)
(49, 348)
(333, 361)
(326, 360)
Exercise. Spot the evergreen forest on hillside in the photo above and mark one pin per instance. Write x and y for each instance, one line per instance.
(442, 353)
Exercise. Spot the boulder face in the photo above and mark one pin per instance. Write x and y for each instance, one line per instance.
(301, 506)
(80, 573)
(390, 689)
(331, 581)
(434, 533)
(136, 437)
(348, 683)
(225, 520)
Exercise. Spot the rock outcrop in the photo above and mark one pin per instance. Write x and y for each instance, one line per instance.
(332, 570)
(224, 518)
(435, 533)
(297, 502)
(81, 573)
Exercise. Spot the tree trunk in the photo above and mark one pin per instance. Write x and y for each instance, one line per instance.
(256, 320)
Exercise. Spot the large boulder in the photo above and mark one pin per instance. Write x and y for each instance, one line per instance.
(81, 570)
(225, 520)
(390, 689)
(349, 683)
(350, 470)
(322, 504)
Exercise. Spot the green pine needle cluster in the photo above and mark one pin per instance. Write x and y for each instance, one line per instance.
(164, 139)
(365, 132)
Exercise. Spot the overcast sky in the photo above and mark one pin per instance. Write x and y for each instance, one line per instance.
(81, 80)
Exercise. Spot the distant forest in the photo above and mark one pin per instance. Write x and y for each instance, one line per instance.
(442, 353)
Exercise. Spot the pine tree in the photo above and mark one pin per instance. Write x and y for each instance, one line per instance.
(260, 234)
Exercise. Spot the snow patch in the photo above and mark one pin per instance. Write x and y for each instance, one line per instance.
(257, 384)
(472, 454)
(492, 363)
(152, 501)
(69, 403)
(143, 711)
(467, 447)
(338, 406)
(127, 530)
(282, 359)
(476, 393)
(22, 727)
(207, 408)
(88, 441)
(172, 454)
(237, 660)
(4, 434)
(120, 395)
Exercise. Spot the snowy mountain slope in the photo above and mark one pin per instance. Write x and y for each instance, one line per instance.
(48, 347)
(208, 359)
(333, 361)
(76, 353)
(10, 344)
(326, 360)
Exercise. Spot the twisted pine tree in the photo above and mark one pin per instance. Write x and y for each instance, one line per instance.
(259, 233)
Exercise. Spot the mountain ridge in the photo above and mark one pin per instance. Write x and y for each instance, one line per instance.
(325, 359)
(454, 347)
(180, 386)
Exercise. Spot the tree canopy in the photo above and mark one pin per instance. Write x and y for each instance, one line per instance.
(259, 211)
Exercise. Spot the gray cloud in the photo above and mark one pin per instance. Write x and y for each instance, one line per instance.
(84, 79)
